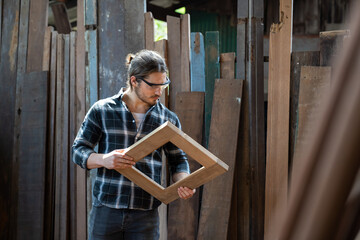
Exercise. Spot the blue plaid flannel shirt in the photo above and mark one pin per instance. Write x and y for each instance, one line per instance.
(111, 125)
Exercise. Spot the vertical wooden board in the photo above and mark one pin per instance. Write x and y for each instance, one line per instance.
(185, 53)
(314, 87)
(330, 44)
(37, 26)
(197, 65)
(47, 49)
(9, 44)
(90, 13)
(149, 31)
(183, 215)
(72, 135)
(81, 212)
(161, 48)
(277, 153)
(215, 207)
(50, 155)
(91, 68)
(32, 156)
(174, 59)
(59, 111)
(298, 59)
(112, 51)
(227, 65)
(212, 72)
(1, 3)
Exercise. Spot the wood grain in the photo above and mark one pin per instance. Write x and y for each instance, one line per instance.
(185, 53)
(197, 65)
(216, 199)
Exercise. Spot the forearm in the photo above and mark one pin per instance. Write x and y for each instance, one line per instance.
(179, 175)
(95, 160)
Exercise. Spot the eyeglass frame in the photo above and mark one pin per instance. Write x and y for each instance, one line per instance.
(154, 85)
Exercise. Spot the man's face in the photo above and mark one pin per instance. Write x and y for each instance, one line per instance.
(150, 94)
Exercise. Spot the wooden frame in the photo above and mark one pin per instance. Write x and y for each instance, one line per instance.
(167, 132)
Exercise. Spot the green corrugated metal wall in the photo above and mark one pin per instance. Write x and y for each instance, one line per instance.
(203, 22)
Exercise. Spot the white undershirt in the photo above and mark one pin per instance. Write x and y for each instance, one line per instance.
(139, 117)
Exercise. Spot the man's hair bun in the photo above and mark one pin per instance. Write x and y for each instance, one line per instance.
(129, 58)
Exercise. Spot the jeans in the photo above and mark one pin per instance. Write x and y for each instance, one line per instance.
(109, 223)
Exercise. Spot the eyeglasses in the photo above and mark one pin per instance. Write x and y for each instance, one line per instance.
(154, 86)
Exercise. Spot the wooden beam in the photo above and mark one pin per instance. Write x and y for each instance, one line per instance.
(167, 132)
(90, 13)
(8, 75)
(81, 211)
(37, 28)
(197, 65)
(278, 118)
(212, 71)
(185, 53)
(161, 48)
(183, 215)
(47, 49)
(174, 59)
(62, 23)
(227, 65)
(215, 207)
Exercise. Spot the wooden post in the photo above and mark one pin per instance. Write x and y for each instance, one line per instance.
(81, 211)
(120, 31)
(185, 53)
(278, 118)
(149, 31)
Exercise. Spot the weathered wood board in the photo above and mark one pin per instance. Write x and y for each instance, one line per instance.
(216, 198)
(197, 65)
(185, 53)
(184, 215)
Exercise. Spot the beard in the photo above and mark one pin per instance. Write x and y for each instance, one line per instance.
(152, 100)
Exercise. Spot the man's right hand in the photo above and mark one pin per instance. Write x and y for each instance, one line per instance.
(113, 160)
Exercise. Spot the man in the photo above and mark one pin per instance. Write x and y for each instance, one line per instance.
(122, 210)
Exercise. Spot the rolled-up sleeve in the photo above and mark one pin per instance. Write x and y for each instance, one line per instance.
(176, 157)
(87, 138)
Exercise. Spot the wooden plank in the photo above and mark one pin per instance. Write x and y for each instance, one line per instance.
(37, 26)
(49, 190)
(183, 215)
(32, 155)
(330, 44)
(1, 3)
(298, 59)
(167, 132)
(185, 53)
(215, 207)
(212, 71)
(60, 219)
(112, 51)
(277, 153)
(81, 208)
(314, 86)
(161, 48)
(149, 31)
(90, 13)
(62, 23)
(47, 49)
(91, 68)
(72, 134)
(227, 65)
(174, 59)
(8, 73)
(197, 65)
(322, 177)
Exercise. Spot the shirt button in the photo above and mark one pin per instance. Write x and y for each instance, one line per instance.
(133, 121)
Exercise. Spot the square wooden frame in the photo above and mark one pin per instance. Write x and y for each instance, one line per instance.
(167, 132)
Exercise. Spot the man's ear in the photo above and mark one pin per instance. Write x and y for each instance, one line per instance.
(133, 81)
